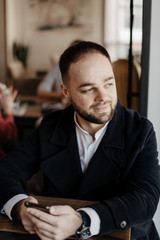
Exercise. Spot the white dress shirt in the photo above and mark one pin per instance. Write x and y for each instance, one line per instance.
(87, 147)
(52, 81)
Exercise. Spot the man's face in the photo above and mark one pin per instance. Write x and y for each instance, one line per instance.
(91, 88)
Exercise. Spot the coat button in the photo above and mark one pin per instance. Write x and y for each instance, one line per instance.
(123, 224)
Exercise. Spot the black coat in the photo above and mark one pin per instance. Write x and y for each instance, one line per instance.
(123, 174)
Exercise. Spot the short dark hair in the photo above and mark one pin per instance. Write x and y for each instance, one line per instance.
(73, 53)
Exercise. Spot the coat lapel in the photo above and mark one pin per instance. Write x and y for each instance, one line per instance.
(63, 166)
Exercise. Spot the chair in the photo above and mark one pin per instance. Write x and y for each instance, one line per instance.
(121, 70)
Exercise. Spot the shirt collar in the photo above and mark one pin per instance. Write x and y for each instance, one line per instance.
(97, 134)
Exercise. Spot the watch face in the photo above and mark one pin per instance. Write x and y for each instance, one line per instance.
(85, 233)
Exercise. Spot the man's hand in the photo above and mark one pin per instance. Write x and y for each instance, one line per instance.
(60, 223)
(20, 212)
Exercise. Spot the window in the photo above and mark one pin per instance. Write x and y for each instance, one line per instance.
(117, 28)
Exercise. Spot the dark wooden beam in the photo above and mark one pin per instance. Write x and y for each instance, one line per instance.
(145, 57)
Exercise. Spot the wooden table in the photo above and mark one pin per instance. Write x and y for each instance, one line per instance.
(13, 230)
(26, 122)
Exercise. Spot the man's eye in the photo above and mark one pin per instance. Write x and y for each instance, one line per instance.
(88, 90)
(109, 84)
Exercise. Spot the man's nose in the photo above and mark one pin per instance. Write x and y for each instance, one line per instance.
(101, 95)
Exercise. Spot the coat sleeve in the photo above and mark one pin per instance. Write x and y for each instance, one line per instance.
(141, 190)
(17, 167)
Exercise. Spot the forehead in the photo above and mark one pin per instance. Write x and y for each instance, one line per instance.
(91, 64)
(89, 57)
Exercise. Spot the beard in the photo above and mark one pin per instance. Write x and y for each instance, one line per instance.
(89, 117)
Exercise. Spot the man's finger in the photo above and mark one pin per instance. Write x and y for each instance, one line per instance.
(46, 217)
(60, 210)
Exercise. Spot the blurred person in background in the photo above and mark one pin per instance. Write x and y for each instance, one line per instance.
(8, 129)
(50, 86)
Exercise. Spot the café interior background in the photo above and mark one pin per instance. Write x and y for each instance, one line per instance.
(47, 27)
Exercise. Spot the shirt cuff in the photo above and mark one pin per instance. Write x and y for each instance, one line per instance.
(7, 208)
(95, 220)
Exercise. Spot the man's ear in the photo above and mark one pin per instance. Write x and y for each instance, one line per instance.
(65, 92)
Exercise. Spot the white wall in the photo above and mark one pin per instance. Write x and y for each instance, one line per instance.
(154, 80)
(14, 30)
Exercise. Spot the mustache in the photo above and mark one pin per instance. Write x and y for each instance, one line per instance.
(100, 104)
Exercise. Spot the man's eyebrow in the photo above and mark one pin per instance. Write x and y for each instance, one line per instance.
(92, 84)
(109, 78)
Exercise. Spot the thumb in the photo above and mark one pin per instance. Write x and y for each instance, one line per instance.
(60, 210)
(32, 199)
(14, 95)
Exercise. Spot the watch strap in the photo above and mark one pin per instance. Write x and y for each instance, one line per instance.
(84, 231)
(85, 218)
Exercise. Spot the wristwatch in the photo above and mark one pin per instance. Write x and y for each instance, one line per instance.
(84, 231)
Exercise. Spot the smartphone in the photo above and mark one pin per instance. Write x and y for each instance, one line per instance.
(43, 208)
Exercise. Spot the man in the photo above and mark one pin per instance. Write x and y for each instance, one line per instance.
(94, 150)
(50, 86)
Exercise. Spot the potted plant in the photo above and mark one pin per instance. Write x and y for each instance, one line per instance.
(20, 52)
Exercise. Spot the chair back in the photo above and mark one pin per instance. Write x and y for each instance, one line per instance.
(121, 71)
